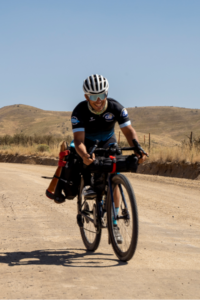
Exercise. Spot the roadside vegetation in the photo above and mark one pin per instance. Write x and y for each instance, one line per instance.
(49, 146)
(177, 154)
(37, 145)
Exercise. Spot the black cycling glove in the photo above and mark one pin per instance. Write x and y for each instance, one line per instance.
(138, 149)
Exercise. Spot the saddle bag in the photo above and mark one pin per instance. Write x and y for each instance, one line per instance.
(70, 177)
(66, 180)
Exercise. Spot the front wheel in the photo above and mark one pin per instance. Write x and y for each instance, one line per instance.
(127, 223)
(90, 233)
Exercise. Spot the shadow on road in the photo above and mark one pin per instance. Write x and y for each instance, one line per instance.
(67, 258)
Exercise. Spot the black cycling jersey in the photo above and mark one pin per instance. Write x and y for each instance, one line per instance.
(99, 127)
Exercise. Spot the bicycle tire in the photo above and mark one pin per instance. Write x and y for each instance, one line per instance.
(91, 244)
(124, 255)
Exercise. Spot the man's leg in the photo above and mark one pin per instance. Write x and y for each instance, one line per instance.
(117, 234)
(116, 196)
(116, 193)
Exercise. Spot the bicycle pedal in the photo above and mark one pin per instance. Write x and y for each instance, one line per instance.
(87, 212)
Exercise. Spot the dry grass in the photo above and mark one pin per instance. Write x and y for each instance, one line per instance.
(176, 154)
(30, 150)
(160, 154)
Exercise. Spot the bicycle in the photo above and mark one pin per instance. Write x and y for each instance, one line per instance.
(92, 218)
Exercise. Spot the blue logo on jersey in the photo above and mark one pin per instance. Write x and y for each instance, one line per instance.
(109, 116)
(74, 120)
(124, 113)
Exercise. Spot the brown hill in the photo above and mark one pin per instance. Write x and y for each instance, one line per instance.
(167, 125)
(30, 120)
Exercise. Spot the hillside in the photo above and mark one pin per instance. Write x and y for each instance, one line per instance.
(172, 122)
(167, 125)
(30, 120)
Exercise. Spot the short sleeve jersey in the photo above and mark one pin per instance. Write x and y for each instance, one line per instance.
(99, 127)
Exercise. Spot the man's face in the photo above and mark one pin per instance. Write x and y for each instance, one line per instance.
(97, 105)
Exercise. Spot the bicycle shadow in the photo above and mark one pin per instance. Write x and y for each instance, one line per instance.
(65, 258)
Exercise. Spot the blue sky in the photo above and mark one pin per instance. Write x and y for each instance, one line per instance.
(148, 49)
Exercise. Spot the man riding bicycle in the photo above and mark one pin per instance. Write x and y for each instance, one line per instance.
(94, 119)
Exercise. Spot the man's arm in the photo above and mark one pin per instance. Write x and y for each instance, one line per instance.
(130, 135)
(79, 138)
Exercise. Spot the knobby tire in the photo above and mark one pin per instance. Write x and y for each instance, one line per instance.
(91, 245)
(124, 255)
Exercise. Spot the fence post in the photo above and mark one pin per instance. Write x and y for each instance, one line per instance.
(149, 141)
(191, 140)
(119, 138)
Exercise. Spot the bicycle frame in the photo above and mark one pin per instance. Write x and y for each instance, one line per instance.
(110, 176)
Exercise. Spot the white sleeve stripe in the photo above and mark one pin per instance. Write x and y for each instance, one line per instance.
(78, 129)
(125, 124)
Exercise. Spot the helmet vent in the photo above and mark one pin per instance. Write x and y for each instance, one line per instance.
(95, 84)
(91, 83)
(87, 86)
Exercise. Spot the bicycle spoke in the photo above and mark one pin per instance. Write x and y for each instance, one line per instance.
(88, 225)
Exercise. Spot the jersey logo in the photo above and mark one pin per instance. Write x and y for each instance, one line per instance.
(124, 113)
(108, 116)
(91, 119)
(74, 120)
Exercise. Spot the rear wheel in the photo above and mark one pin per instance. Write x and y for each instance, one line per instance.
(128, 224)
(90, 233)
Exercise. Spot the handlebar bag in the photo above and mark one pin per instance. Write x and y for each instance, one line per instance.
(124, 163)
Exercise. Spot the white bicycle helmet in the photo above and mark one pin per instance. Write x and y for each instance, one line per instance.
(95, 84)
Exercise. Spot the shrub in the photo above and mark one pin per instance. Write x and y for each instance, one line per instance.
(43, 148)
(6, 140)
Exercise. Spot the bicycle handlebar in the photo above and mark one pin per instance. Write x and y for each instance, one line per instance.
(111, 150)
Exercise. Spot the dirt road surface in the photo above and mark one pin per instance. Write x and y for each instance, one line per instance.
(42, 254)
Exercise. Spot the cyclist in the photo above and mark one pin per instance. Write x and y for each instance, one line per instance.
(94, 119)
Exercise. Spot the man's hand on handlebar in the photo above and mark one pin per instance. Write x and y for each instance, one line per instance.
(141, 159)
(140, 153)
(87, 160)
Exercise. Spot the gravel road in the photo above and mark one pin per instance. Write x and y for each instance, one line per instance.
(42, 254)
